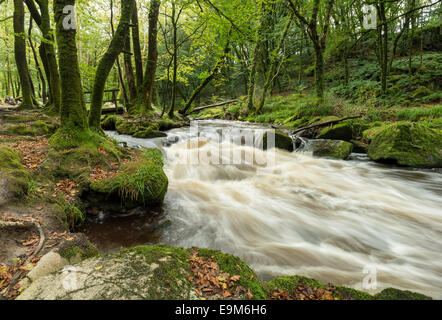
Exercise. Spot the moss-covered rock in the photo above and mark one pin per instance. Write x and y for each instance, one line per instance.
(343, 131)
(124, 126)
(14, 179)
(331, 148)
(408, 144)
(292, 282)
(235, 266)
(140, 182)
(395, 294)
(78, 249)
(37, 128)
(369, 134)
(282, 141)
(149, 133)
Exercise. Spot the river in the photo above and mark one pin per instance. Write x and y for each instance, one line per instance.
(326, 219)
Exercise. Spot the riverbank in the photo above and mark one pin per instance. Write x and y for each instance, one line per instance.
(39, 195)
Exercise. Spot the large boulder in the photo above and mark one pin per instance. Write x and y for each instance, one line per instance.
(14, 179)
(335, 149)
(282, 141)
(343, 131)
(408, 144)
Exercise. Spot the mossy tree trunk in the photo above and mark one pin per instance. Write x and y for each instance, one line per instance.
(54, 76)
(73, 108)
(106, 63)
(28, 101)
(128, 68)
(47, 50)
(37, 64)
(137, 48)
(174, 59)
(145, 94)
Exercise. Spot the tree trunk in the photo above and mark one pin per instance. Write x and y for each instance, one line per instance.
(28, 101)
(145, 96)
(175, 62)
(137, 48)
(37, 64)
(106, 63)
(73, 107)
(128, 68)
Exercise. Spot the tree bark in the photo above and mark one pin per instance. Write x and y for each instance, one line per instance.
(145, 96)
(28, 101)
(106, 63)
(37, 64)
(128, 68)
(73, 107)
(174, 59)
(137, 48)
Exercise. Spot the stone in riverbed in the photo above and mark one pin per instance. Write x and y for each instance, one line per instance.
(343, 131)
(282, 141)
(408, 144)
(331, 148)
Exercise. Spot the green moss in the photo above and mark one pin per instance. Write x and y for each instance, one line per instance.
(282, 141)
(77, 163)
(170, 277)
(142, 181)
(408, 144)
(235, 266)
(37, 128)
(369, 134)
(331, 149)
(77, 250)
(149, 133)
(125, 127)
(395, 294)
(343, 131)
(292, 282)
(13, 172)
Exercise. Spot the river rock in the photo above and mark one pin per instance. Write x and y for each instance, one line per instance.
(408, 144)
(330, 148)
(282, 141)
(343, 131)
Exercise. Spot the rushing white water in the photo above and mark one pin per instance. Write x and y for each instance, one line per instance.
(315, 217)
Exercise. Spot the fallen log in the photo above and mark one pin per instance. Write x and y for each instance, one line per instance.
(327, 123)
(215, 105)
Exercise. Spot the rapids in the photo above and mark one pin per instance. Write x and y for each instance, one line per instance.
(326, 219)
